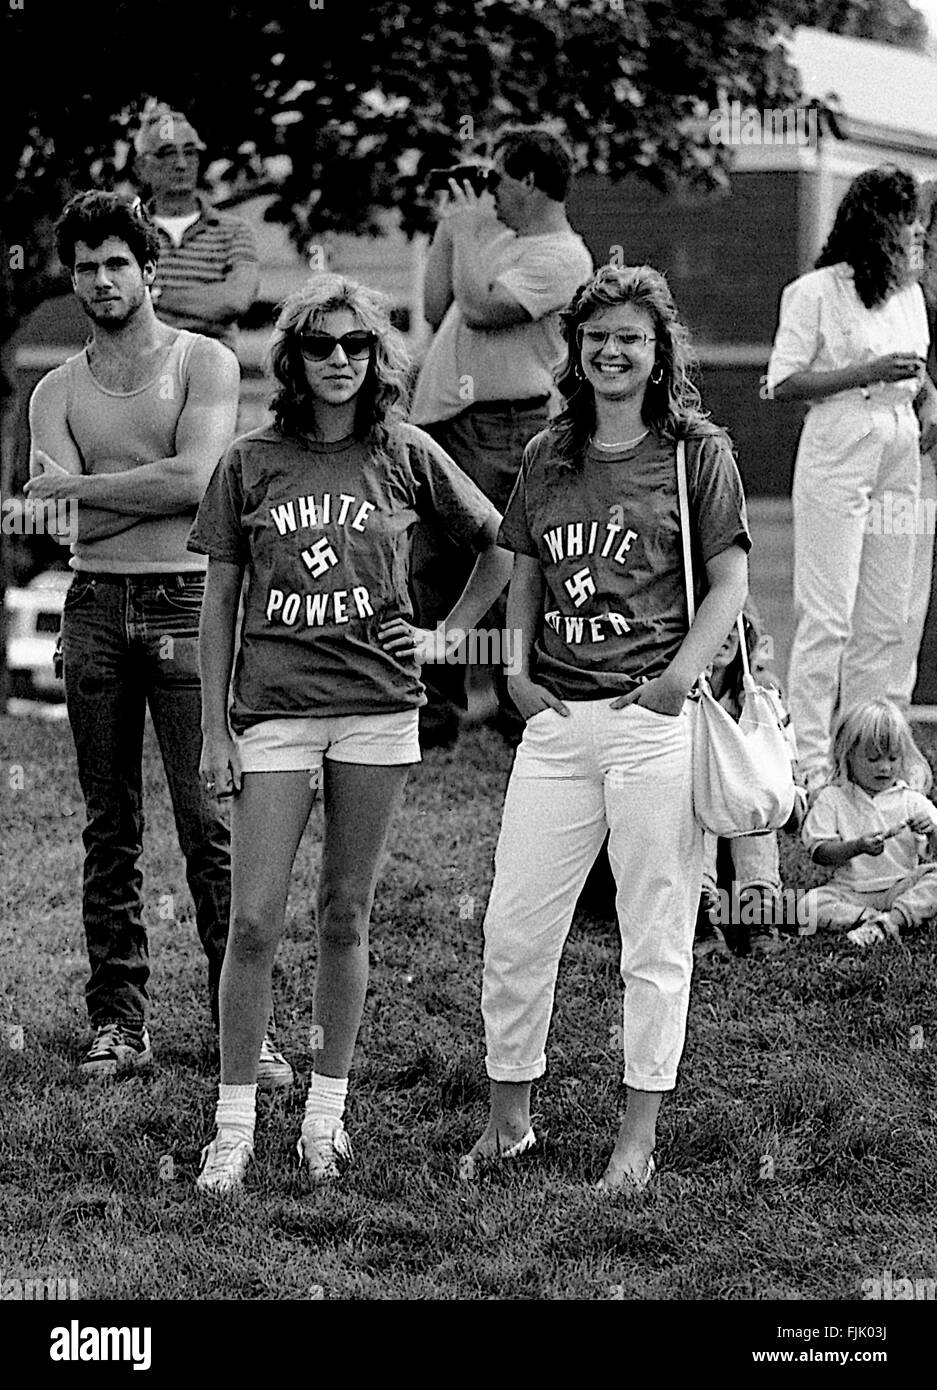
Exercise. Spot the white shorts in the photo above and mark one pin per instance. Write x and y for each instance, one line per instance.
(300, 744)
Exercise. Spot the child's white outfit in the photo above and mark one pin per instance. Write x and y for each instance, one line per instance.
(893, 880)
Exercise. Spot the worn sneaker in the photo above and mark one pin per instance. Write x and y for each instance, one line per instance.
(117, 1048)
(224, 1162)
(325, 1149)
(708, 938)
(273, 1070)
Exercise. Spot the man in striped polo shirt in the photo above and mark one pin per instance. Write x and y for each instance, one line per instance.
(208, 270)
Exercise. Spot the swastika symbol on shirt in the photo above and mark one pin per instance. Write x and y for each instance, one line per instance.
(581, 586)
(319, 557)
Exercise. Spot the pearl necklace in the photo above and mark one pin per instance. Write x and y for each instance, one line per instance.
(622, 443)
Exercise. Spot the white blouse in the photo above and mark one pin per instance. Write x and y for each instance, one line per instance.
(824, 326)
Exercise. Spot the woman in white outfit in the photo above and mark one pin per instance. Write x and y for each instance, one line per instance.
(852, 342)
(922, 575)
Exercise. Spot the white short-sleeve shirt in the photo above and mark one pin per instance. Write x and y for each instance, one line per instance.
(847, 812)
(824, 326)
(466, 365)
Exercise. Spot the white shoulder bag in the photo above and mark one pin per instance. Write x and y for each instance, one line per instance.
(743, 780)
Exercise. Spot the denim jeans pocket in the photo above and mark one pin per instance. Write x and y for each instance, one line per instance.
(185, 597)
(79, 589)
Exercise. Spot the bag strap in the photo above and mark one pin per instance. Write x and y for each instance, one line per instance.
(743, 648)
(683, 503)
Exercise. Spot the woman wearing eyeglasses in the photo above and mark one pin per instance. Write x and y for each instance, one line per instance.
(316, 511)
(598, 598)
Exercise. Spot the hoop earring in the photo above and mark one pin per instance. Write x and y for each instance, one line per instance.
(657, 375)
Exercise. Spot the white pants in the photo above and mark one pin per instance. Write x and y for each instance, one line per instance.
(627, 771)
(836, 904)
(921, 579)
(858, 468)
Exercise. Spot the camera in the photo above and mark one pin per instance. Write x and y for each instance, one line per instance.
(479, 177)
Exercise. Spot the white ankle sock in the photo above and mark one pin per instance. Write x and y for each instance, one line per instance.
(325, 1099)
(236, 1109)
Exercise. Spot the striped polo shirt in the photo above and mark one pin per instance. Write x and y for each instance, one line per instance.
(211, 249)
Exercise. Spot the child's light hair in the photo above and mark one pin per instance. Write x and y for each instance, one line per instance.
(879, 727)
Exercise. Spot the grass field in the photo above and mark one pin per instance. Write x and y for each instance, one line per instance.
(810, 1058)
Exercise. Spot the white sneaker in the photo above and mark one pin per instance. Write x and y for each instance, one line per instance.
(224, 1162)
(873, 930)
(867, 933)
(325, 1149)
(273, 1070)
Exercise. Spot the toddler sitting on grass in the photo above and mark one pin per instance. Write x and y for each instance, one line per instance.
(873, 825)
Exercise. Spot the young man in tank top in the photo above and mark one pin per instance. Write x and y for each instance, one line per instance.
(132, 428)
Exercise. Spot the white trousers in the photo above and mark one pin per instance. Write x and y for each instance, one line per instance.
(853, 561)
(836, 904)
(627, 771)
(921, 581)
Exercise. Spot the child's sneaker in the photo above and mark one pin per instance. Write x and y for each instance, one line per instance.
(273, 1070)
(117, 1048)
(707, 938)
(766, 941)
(873, 930)
(325, 1149)
(756, 932)
(224, 1163)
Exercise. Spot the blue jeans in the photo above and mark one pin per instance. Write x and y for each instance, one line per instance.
(488, 446)
(131, 641)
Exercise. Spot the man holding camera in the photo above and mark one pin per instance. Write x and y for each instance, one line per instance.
(503, 262)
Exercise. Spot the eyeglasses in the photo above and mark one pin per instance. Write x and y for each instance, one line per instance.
(318, 347)
(173, 152)
(594, 339)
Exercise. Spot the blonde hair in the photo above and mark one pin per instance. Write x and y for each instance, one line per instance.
(880, 727)
(381, 402)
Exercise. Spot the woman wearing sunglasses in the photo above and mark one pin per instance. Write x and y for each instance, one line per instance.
(316, 510)
(598, 598)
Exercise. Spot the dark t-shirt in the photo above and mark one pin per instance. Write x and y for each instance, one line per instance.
(608, 540)
(324, 533)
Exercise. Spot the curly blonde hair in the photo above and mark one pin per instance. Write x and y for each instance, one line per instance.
(381, 402)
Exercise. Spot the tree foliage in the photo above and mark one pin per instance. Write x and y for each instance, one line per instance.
(341, 108)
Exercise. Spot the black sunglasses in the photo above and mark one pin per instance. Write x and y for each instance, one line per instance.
(320, 346)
